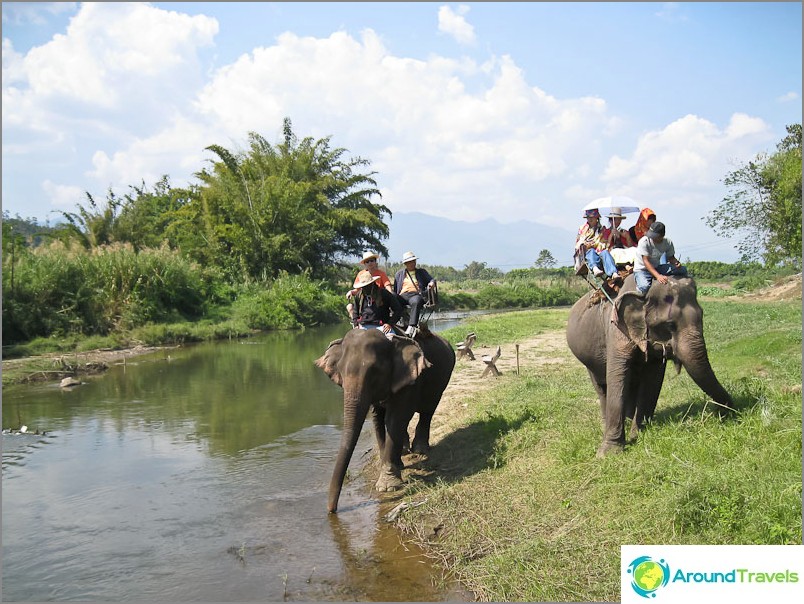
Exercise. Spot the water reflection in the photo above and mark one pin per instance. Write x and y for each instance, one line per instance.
(195, 474)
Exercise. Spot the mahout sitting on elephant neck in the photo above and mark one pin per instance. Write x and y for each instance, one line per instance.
(625, 346)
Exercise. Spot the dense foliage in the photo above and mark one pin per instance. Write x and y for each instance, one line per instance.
(762, 212)
(296, 206)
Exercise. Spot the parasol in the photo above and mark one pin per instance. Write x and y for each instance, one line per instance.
(626, 205)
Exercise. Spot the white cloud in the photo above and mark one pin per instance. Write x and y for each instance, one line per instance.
(63, 196)
(428, 137)
(453, 24)
(788, 97)
(176, 151)
(112, 48)
(687, 154)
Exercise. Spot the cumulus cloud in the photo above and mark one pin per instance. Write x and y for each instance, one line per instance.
(690, 153)
(111, 48)
(454, 24)
(410, 116)
(62, 196)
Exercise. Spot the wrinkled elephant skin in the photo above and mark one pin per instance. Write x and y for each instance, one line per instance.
(625, 347)
(393, 379)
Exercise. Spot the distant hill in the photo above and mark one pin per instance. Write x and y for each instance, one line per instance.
(456, 243)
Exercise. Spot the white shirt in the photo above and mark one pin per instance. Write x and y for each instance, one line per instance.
(653, 250)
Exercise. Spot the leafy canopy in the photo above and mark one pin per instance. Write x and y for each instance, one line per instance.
(295, 206)
(762, 211)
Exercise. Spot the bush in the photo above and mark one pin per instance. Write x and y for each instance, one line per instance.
(290, 302)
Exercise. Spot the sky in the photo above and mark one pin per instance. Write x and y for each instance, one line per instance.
(468, 111)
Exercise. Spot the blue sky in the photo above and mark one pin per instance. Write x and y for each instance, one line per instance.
(466, 110)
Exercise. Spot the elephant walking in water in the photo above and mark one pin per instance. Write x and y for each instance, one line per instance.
(395, 379)
(625, 348)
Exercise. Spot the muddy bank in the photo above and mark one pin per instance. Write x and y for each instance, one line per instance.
(53, 367)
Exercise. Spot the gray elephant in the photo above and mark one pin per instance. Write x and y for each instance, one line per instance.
(625, 347)
(395, 379)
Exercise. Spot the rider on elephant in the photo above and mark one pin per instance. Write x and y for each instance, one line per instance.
(649, 253)
(374, 307)
(590, 244)
(412, 285)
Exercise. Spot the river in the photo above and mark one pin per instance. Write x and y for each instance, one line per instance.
(197, 473)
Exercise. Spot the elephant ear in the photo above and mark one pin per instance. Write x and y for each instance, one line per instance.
(409, 363)
(629, 316)
(329, 361)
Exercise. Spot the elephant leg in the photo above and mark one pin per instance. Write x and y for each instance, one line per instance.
(397, 417)
(651, 378)
(617, 385)
(600, 388)
(378, 419)
(421, 440)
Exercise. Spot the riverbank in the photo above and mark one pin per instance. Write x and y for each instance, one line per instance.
(53, 367)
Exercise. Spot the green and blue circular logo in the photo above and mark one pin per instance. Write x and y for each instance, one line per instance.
(648, 575)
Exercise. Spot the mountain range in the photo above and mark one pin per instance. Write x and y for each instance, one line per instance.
(444, 242)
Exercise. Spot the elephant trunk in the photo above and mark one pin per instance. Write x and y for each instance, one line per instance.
(355, 409)
(690, 351)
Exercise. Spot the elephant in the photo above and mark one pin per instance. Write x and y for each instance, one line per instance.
(625, 345)
(394, 379)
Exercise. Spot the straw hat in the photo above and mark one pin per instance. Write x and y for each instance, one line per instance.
(364, 278)
(368, 256)
(616, 213)
(408, 256)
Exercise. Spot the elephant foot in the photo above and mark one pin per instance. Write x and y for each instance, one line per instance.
(388, 481)
(420, 447)
(609, 449)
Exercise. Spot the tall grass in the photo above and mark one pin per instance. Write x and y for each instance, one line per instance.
(57, 291)
(529, 513)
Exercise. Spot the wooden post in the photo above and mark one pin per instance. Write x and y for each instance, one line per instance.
(517, 359)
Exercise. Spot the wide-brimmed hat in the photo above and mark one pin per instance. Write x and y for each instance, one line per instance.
(593, 213)
(368, 256)
(655, 230)
(408, 256)
(364, 278)
(616, 213)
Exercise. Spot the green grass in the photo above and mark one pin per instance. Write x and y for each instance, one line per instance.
(530, 514)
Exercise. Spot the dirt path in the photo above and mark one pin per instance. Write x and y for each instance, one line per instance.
(466, 378)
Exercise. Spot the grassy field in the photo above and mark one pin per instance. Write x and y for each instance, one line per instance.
(532, 515)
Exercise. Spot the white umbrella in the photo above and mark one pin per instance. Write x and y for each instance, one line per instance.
(625, 204)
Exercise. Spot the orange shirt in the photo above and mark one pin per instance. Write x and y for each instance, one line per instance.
(383, 281)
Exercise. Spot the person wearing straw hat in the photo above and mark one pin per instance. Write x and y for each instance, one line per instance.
(369, 264)
(411, 285)
(618, 240)
(614, 235)
(374, 307)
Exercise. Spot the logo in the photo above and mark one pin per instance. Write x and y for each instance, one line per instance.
(648, 575)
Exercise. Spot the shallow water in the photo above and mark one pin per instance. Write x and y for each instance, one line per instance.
(197, 474)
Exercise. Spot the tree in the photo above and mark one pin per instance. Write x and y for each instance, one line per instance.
(763, 209)
(91, 227)
(545, 259)
(296, 206)
(146, 216)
